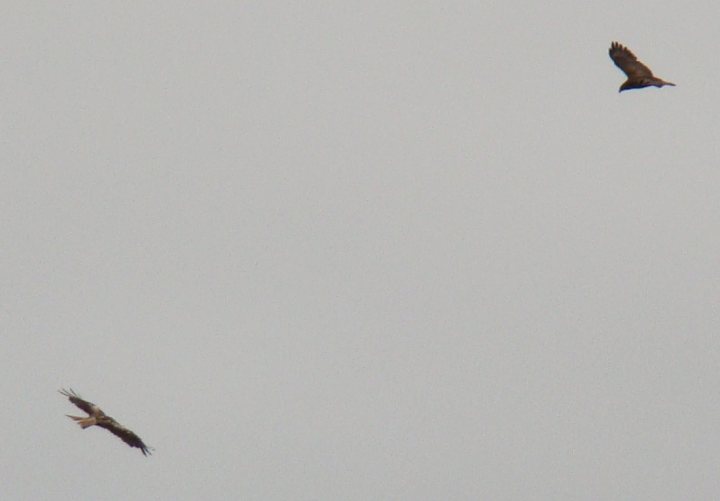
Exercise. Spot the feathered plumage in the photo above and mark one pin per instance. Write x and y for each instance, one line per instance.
(638, 75)
(96, 417)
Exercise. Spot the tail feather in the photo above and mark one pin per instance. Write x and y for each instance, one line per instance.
(84, 422)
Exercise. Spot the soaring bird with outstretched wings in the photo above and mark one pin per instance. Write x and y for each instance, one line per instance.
(96, 417)
(638, 75)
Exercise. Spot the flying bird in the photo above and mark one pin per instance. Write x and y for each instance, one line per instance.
(97, 417)
(638, 75)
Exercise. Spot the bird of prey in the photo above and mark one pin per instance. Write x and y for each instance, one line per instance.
(97, 417)
(638, 75)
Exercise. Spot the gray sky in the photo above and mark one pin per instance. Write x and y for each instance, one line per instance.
(360, 250)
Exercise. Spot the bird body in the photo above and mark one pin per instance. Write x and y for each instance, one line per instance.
(638, 75)
(96, 417)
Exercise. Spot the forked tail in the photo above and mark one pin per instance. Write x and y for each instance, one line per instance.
(84, 422)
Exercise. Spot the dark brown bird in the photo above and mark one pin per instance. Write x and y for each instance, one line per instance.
(96, 417)
(638, 75)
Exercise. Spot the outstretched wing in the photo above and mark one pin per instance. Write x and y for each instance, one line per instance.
(626, 61)
(127, 436)
(89, 407)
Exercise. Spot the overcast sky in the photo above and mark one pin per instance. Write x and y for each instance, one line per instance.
(360, 250)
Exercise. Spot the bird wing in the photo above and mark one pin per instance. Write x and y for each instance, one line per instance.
(627, 62)
(89, 407)
(127, 436)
